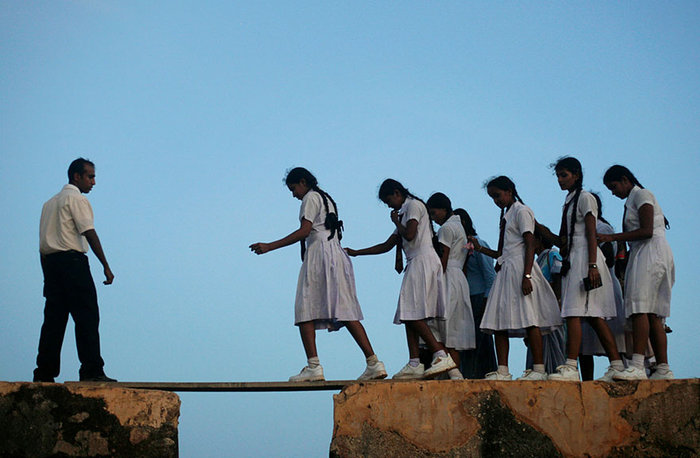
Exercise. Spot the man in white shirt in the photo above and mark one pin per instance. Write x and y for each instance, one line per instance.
(65, 232)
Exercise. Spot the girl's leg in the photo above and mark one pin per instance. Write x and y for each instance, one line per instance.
(640, 333)
(308, 338)
(573, 338)
(412, 341)
(419, 328)
(606, 338)
(659, 342)
(502, 347)
(534, 337)
(357, 331)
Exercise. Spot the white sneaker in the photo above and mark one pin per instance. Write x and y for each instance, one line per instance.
(529, 374)
(495, 375)
(565, 373)
(609, 375)
(657, 375)
(439, 365)
(309, 374)
(455, 374)
(409, 372)
(376, 371)
(631, 373)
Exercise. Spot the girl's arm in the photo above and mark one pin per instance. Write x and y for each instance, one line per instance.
(482, 249)
(593, 273)
(548, 236)
(529, 261)
(376, 249)
(300, 234)
(645, 231)
(408, 231)
(445, 257)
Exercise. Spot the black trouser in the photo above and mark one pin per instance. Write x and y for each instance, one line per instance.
(69, 289)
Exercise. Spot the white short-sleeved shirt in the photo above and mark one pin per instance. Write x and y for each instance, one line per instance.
(638, 197)
(312, 209)
(586, 204)
(519, 220)
(64, 218)
(452, 235)
(415, 209)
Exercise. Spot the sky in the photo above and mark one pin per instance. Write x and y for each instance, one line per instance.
(193, 111)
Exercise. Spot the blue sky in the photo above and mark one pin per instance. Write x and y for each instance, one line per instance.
(192, 112)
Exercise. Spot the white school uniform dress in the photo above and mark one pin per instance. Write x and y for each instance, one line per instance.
(457, 329)
(507, 308)
(590, 344)
(423, 289)
(326, 287)
(575, 300)
(650, 270)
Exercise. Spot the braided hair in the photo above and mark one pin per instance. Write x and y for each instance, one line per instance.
(572, 165)
(600, 208)
(615, 173)
(332, 222)
(466, 220)
(504, 184)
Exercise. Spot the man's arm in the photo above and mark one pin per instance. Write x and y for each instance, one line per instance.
(96, 247)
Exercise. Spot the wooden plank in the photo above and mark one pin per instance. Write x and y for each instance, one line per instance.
(329, 385)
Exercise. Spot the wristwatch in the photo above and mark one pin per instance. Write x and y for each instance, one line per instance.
(528, 276)
(592, 266)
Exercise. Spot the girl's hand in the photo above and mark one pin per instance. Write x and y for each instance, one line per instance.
(351, 252)
(594, 277)
(395, 217)
(260, 248)
(527, 286)
(603, 238)
(475, 243)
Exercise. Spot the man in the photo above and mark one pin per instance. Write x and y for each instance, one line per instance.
(65, 231)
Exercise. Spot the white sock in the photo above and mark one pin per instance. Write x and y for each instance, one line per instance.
(663, 368)
(372, 360)
(454, 373)
(617, 365)
(314, 362)
(414, 362)
(638, 361)
(538, 368)
(440, 354)
(503, 370)
(572, 363)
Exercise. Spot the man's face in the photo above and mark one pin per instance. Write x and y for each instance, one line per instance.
(86, 180)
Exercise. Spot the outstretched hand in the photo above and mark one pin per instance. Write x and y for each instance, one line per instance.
(603, 238)
(350, 252)
(475, 243)
(260, 248)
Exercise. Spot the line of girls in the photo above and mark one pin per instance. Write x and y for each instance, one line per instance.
(437, 307)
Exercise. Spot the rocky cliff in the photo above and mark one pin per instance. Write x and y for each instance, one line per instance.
(484, 418)
(47, 419)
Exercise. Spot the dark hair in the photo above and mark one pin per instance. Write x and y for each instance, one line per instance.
(78, 166)
(574, 166)
(544, 241)
(600, 207)
(504, 184)
(441, 201)
(615, 173)
(332, 222)
(389, 186)
(466, 221)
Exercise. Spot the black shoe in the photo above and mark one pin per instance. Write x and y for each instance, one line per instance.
(43, 380)
(97, 378)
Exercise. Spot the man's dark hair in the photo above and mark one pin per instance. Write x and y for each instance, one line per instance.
(78, 166)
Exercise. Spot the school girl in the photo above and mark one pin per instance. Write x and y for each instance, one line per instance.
(456, 331)
(521, 302)
(590, 345)
(587, 291)
(326, 297)
(480, 277)
(423, 289)
(650, 272)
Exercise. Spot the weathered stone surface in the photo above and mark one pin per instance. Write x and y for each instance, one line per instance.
(485, 418)
(47, 419)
